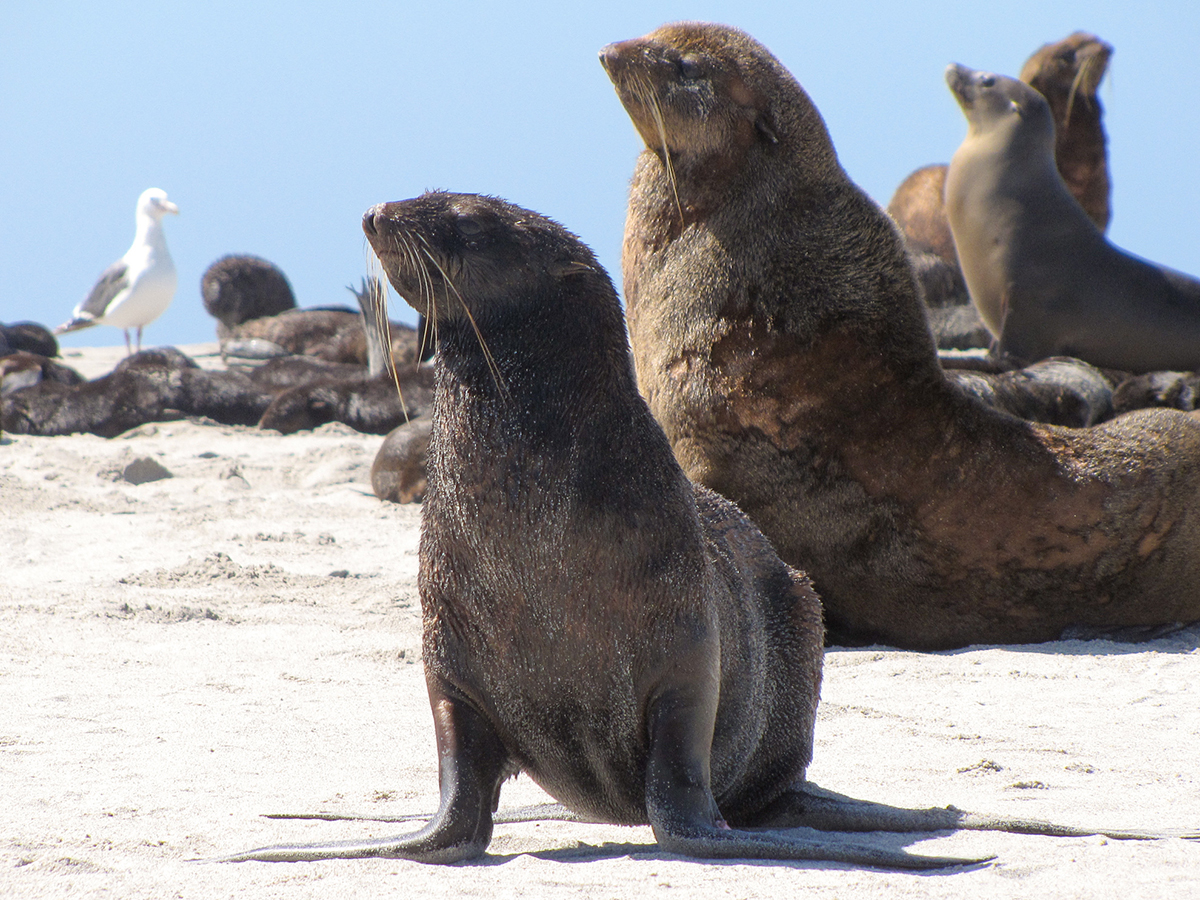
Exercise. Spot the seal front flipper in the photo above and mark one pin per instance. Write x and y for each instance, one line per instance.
(472, 763)
(810, 806)
(684, 814)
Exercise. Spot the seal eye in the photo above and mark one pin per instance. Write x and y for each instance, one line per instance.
(689, 68)
(987, 81)
(469, 227)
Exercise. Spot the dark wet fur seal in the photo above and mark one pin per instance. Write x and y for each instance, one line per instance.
(290, 394)
(366, 404)
(398, 473)
(793, 371)
(1057, 391)
(240, 287)
(1044, 278)
(1170, 390)
(150, 386)
(1068, 73)
(31, 337)
(543, 459)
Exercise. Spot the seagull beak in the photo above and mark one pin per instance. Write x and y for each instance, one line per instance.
(170, 207)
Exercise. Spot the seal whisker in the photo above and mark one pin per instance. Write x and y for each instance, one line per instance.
(646, 95)
(449, 283)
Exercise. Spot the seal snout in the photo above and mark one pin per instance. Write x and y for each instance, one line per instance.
(956, 75)
(616, 56)
(372, 219)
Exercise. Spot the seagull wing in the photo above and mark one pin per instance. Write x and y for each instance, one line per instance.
(114, 280)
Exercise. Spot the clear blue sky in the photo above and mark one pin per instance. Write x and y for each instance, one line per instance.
(274, 126)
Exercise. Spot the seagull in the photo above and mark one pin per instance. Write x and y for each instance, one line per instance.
(138, 287)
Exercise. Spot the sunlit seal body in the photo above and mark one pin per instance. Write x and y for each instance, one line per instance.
(792, 370)
(1068, 73)
(676, 682)
(1044, 278)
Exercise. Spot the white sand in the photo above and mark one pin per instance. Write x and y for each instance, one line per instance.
(177, 658)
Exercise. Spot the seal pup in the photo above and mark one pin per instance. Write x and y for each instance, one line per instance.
(239, 287)
(398, 471)
(793, 372)
(1057, 391)
(257, 318)
(157, 385)
(544, 459)
(31, 337)
(138, 287)
(1044, 278)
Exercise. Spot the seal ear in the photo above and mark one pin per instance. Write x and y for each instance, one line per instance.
(763, 126)
(565, 267)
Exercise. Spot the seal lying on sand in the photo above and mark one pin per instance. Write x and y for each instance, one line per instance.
(677, 682)
(257, 318)
(793, 372)
(1044, 278)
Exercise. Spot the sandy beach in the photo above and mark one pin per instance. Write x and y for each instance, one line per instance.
(180, 656)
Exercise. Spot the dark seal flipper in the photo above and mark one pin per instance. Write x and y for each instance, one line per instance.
(472, 762)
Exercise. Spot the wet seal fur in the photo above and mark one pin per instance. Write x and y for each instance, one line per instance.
(793, 372)
(675, 684)
(1044, 278)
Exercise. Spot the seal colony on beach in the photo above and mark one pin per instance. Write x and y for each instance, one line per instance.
(676, 683)
(1044, 278)
(794, 373)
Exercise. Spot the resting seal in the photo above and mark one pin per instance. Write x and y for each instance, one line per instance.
(793, 372)
(1044, 278)
(674, 684)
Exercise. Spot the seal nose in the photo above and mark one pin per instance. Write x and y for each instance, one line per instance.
(369, 220)
(612, 55)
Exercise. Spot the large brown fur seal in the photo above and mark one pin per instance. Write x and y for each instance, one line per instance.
(1044, 278)
(1068, 74)
(779, 338)
(591, 618)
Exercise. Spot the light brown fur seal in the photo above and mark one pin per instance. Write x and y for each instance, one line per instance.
(780, 340)
(677, 682)
(1044, 278)
(1068, 73)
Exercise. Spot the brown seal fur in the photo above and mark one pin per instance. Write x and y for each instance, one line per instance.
(793, 372)
(1068, 73)
(676, 683)
(1044, 278)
